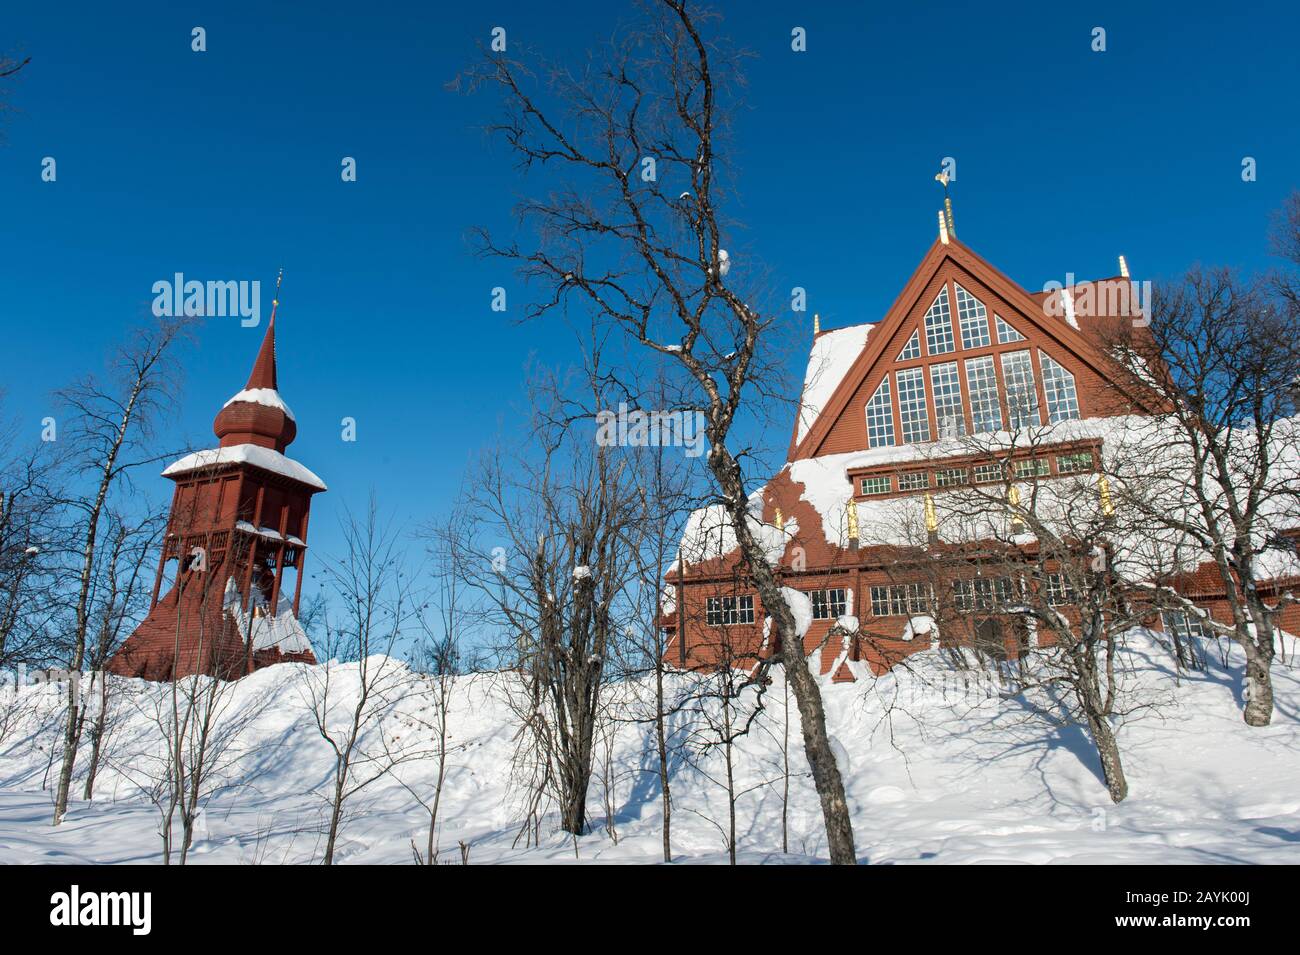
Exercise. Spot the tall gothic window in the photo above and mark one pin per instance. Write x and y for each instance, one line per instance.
(911, 405)
(946, 388)
(938, 325)
(982, 386)
(1058, 387)
(973, 318)
(880, 417)
(1022, 397)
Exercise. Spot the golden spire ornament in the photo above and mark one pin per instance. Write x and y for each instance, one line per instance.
(943, 179)
(1103, 493)
(853, 519)
(931, 518)
(779, 520)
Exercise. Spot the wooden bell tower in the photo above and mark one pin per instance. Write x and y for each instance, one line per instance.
(238, 525)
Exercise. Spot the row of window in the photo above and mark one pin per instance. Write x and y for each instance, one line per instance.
(1022, 470)
(985, 396)
(898, 600)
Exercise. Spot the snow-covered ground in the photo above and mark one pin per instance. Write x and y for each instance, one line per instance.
(935, 773)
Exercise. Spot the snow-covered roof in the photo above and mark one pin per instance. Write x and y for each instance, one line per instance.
(262, 396)
(267, 459)
(709, 533)
(269, 532)
(832, 354)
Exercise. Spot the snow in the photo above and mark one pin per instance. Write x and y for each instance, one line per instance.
(262, 396)
(280, 631)
(269, 532)
(919, 626)
(800, 605)
(833, 353)
(939, 767)
(268, 459)
(709, 534)
(581, 572)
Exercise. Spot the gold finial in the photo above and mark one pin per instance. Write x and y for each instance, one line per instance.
(1103, 492)
(780, 521)
(853, 519)
(943, 179)
(1013, 496)
(943, 229)
(931, 518)
(817, 323)
(1123, 267)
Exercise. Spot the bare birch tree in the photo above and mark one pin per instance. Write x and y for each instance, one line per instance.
(108, 428)
(632, 151)
(1221, 355)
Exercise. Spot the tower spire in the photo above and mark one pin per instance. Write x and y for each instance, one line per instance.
(263, 373)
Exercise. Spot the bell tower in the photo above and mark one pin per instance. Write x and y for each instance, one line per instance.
(237, 529)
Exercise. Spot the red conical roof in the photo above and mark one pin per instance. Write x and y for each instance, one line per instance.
(258, 415)
(263, 373)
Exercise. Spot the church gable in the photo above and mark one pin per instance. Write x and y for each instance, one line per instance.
(963, 350)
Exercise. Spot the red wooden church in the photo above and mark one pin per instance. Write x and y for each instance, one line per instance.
(238, 526)
(891, 419)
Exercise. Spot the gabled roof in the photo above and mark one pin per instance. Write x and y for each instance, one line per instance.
(808, 436)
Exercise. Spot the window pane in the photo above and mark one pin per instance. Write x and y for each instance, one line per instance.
(1022, 398)
(938, 325)
(880, 418)
(913, 481)
(1073, 463)
(982, 385)
(1007, 334)
(1058, 386)
(948, 477)
(946, 388)
(973, 318)
(877, 485)
(911, 405)
(912, 349)
(984, 473)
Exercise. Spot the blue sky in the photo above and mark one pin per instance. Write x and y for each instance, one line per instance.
(225, 165)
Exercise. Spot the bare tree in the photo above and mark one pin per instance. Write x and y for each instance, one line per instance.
(120, 601)
(1221, 356)
(632, 228)
(375, 606)
(551, 555)
(440, 660)
(109, 424)
(31, 546)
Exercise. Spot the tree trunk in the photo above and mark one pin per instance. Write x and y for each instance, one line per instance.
(1259, 686)
(661, 742)
(1108, 751)
(807, 695)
